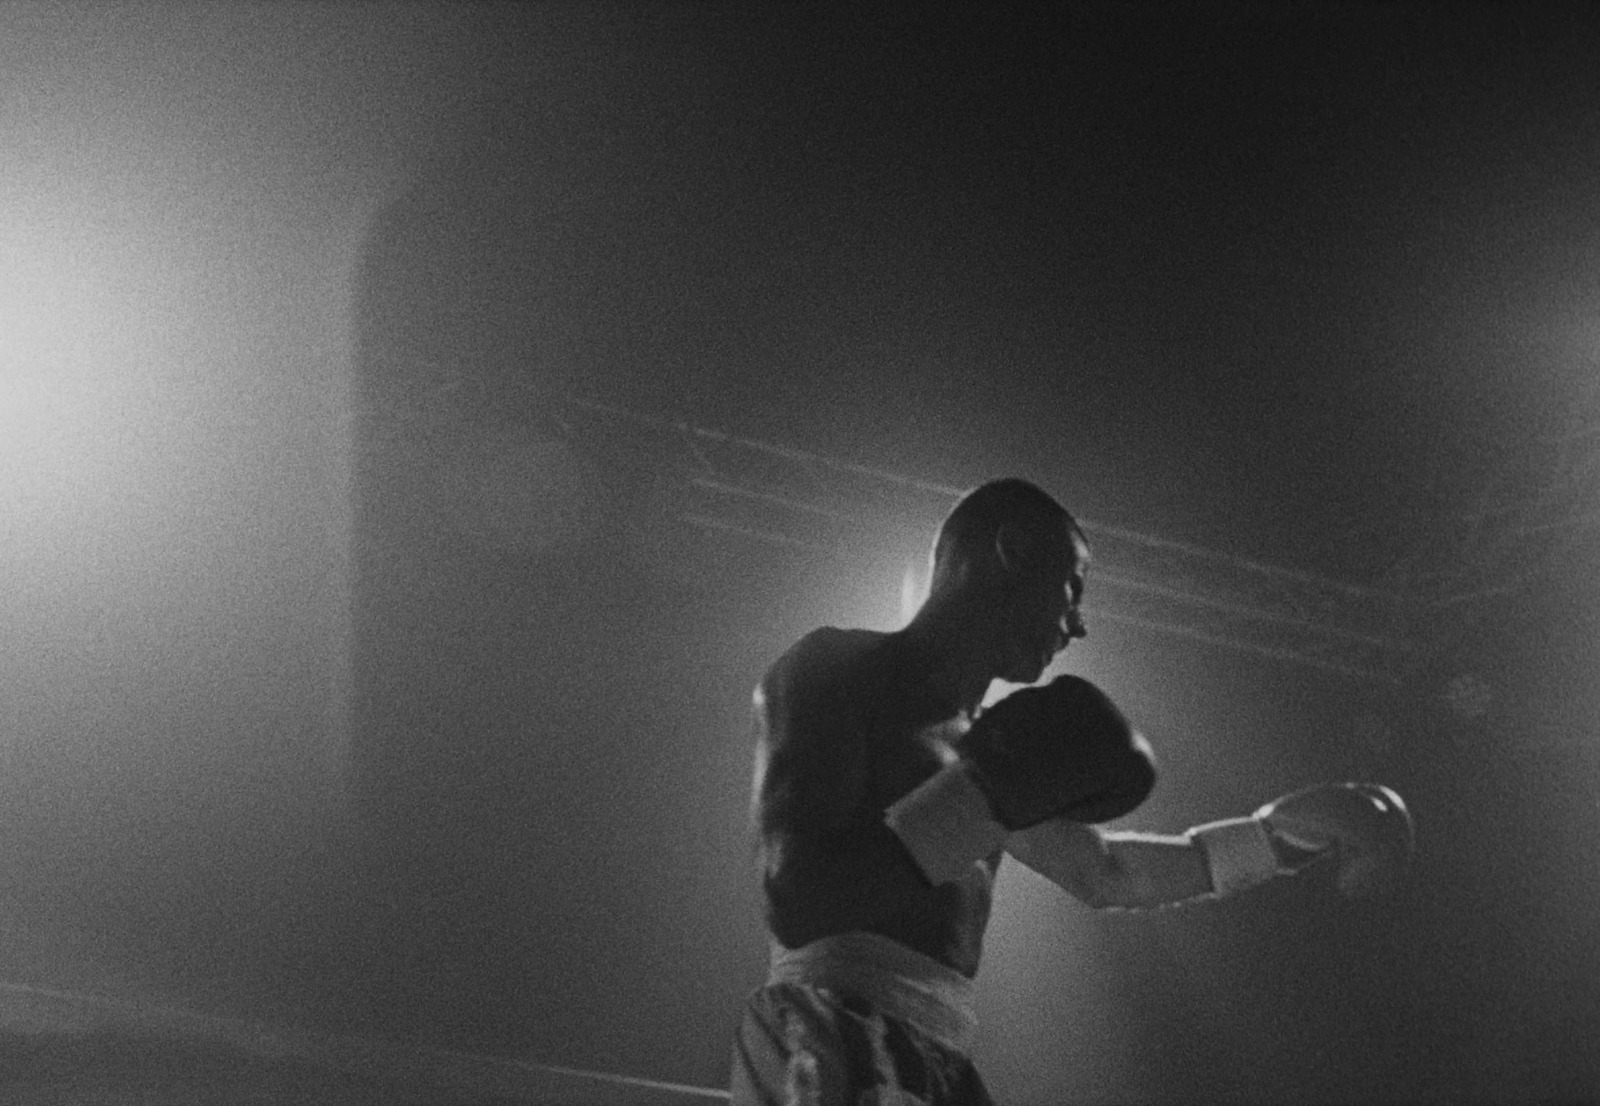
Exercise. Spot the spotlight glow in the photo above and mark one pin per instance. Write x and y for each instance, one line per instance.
(910, 595)
(81, 462)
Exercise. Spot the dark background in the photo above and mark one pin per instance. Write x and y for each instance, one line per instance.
(357, 679)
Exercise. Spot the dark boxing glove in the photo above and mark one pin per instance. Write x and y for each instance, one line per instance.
(1062, 750)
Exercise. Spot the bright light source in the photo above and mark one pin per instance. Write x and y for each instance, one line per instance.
(910, 594)
(77, 322)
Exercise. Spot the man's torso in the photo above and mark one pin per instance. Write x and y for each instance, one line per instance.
(862, 703)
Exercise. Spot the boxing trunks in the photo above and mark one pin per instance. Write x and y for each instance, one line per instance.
(857, 1020)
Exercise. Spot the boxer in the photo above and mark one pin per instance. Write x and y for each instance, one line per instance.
(884, 798)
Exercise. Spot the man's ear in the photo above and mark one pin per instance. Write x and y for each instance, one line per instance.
(1015, 548)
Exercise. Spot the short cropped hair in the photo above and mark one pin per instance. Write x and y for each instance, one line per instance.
(969, 530)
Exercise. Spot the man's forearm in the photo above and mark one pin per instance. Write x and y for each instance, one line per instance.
(1131, 871)
(1154, 870)
(1114, 870)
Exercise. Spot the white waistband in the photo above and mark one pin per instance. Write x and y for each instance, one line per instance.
(897, 980)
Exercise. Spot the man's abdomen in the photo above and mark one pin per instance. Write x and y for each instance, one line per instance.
(950, 927)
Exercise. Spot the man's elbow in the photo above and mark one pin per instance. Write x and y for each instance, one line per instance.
(1103, 896)
(1090, 883)
(1093, 895)
(1110, 886)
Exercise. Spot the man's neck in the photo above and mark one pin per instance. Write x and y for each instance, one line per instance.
(962, 671)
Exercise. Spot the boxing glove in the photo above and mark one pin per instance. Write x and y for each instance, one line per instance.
(1364, 827)
(1062, 750)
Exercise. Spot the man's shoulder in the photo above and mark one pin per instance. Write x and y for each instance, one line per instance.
(831, 647)
(824, 658)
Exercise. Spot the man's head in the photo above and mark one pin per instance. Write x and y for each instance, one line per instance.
(1014, 560)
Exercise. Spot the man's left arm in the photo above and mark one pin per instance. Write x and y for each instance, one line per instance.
(1113, 870)
(1364, 827)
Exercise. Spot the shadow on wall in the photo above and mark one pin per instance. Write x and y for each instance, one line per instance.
(536, 695)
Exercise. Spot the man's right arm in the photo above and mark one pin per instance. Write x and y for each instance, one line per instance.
(1063, 749)
(830, 864)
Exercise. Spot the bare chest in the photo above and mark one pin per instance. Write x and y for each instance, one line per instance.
(902, 760)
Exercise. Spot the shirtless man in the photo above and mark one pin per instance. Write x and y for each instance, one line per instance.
(884, 800)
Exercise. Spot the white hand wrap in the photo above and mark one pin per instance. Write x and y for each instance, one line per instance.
(946, 824)
(1239, 853)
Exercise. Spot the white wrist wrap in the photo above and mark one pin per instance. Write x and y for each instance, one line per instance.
(946, 824)
(1239, 853)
